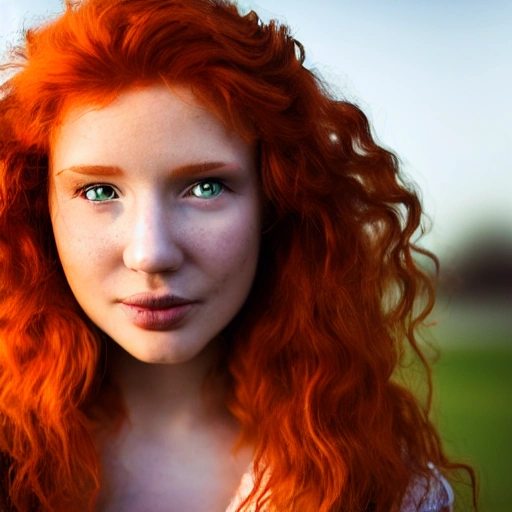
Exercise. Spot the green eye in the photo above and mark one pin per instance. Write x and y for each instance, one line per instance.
(207, 189)
(99, 193)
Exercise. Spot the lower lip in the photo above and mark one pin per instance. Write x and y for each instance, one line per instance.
(156, 319)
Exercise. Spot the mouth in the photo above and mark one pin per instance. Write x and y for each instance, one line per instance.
(156, 312)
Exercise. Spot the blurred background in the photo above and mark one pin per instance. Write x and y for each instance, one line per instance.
(434, 77)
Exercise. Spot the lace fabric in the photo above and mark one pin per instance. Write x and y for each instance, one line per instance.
(432, 495)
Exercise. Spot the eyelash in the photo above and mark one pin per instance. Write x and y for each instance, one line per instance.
(83, 190)
(214, 181)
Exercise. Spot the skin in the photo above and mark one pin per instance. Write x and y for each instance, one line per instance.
(153, 197)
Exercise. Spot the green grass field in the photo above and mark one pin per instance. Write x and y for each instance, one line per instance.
(473, 409)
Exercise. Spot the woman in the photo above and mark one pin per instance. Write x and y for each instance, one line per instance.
(206, 266)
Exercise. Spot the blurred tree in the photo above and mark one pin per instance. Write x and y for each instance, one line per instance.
(480, 268)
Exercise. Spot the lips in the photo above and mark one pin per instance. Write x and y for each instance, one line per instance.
(156, 312)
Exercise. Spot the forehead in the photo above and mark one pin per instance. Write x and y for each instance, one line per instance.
(133, 108)
(156, 119)
(148, 135)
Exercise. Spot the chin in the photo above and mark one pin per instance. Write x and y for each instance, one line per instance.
(154, 351)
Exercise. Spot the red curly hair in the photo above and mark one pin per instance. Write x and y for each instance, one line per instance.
(312, 355)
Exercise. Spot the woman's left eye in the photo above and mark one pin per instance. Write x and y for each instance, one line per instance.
(98, 193)
(207, 189)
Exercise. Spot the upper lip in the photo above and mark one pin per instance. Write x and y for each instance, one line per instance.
(150, 300)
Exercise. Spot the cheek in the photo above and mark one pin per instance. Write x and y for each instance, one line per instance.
(230, 248)
(240, 257)
(82, 253)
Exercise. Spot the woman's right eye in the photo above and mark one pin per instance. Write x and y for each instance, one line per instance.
(98, 193)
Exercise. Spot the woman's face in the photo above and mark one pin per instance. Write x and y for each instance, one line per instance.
(155, 208)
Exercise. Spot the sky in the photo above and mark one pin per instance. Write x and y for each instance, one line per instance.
(433, 76)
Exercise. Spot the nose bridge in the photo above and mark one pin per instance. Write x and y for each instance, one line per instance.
(151, 246)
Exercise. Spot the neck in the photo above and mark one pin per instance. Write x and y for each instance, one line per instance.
(182, 438)
(168, 397)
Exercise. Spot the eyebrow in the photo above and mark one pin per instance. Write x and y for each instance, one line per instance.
(93, 170)
(178, 172)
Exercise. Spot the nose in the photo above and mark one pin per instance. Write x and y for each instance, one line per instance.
(152, 247)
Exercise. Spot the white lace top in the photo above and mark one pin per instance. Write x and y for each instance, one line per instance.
(439, 496)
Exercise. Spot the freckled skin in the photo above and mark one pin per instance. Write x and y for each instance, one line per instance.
(155, 235)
